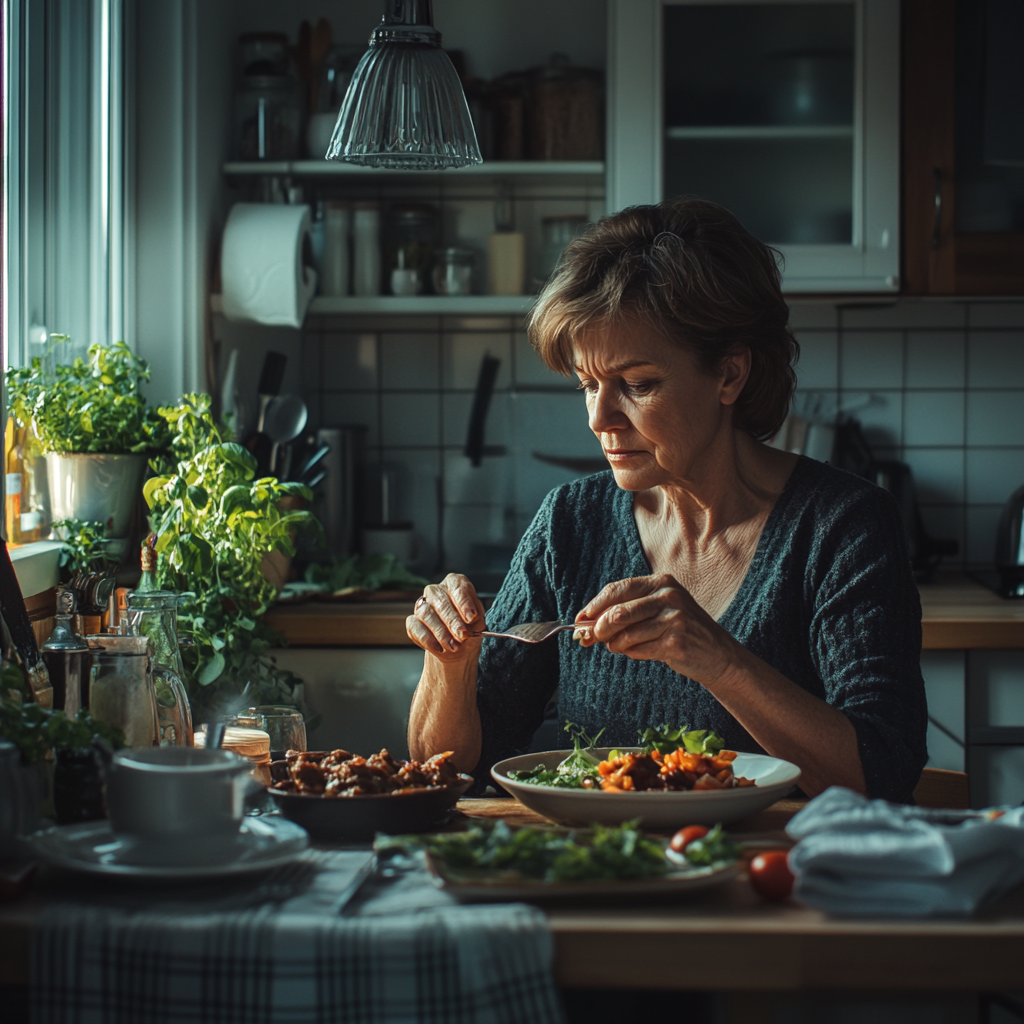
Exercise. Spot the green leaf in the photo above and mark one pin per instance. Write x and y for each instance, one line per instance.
(212, 670)
(234, 498)
(151, 486)
(198, 496)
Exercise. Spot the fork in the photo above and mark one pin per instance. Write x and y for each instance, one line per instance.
(535, 632)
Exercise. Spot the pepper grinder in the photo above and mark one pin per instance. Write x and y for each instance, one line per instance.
(67, 657)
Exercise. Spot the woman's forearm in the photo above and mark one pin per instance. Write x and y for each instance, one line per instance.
(790, 723)
(444, 714)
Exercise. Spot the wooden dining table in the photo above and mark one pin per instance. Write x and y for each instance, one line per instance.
(724, 939)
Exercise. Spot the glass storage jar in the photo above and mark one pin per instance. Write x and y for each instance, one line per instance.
(412, 237)
(453, 272)
(267, 116)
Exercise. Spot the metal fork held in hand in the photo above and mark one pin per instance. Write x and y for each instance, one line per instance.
(535, 632)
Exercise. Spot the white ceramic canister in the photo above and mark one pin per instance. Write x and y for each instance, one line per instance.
(337, 219)
(366, 249)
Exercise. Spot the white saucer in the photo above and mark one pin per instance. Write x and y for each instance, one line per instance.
(92, 848)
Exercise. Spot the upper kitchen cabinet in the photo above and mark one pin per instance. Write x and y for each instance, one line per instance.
(963, 147)
(785, 113)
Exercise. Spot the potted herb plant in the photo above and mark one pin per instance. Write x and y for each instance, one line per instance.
(216, 522)
(43, 737)
(89, 418)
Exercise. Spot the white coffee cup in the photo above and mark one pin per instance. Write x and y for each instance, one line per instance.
(177, 805)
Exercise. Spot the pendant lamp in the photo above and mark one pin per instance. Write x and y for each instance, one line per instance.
(405, 107)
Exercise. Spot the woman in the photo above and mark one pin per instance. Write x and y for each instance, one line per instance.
(728, 585)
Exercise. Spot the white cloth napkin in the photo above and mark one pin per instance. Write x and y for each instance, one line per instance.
(869, 858)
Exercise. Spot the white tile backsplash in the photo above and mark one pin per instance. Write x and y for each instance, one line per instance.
(871, 359)
(554, 424)
(935, 359)
(981, 523)
(410, 361)
(995, 418)
(350, 362)
(935, 383)
(819, 359)
(464, 353)
(342, 410)
(531, 371)
(945, 522)
(933, 418)
(457, 408)
(993, 474)
(938, 474)
(486, 484)
(995, 359)
(410, 419)
(880, 414)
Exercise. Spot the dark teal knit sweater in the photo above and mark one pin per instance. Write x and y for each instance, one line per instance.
(829, 601)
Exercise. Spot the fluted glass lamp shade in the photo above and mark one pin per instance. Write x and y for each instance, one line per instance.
(405, 107)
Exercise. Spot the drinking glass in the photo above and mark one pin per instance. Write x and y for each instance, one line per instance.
(284, 725)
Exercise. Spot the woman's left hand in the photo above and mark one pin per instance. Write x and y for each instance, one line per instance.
(654, 618)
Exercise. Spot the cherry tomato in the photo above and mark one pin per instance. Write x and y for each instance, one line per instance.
(770, 875)
(682, 839)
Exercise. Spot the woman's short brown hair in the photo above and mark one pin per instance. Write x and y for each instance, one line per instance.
(690, 271)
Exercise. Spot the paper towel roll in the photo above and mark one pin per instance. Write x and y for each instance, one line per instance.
(266, 264)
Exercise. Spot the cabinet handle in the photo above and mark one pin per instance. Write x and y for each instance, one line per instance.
(937, 227)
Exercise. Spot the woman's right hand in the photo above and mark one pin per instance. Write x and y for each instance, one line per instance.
(444, 617)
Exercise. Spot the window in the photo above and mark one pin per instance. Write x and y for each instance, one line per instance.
(65, 173)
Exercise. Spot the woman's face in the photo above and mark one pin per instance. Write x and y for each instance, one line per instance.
(656, 414)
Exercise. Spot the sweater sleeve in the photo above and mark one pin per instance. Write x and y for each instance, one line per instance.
(516, 680)
(865, 642)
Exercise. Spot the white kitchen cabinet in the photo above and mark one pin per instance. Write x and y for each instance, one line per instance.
(787, 113)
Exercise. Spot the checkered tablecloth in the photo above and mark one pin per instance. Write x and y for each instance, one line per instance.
(405, 954)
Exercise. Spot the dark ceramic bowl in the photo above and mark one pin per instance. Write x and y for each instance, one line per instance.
(358, 818)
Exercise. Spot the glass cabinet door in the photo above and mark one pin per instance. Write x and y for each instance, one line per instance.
(758, 115)
(784, 111)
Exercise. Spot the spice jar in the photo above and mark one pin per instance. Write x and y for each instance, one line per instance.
(453, 272)
(412, 236)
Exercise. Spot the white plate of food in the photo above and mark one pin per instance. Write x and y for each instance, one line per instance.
(758, 781)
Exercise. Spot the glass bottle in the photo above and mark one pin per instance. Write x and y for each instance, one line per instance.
(147, 582)
(154, 614)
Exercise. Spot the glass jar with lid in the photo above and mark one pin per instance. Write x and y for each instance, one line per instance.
(267, 116)
(453, 272)
(412, 238)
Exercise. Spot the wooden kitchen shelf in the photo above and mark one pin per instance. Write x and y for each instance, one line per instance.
(415, 305)
(780, 132)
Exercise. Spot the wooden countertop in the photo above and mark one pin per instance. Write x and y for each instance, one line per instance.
(744, 944)
(958, 613)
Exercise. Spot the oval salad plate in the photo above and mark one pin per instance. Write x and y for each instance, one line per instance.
(659, 810)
